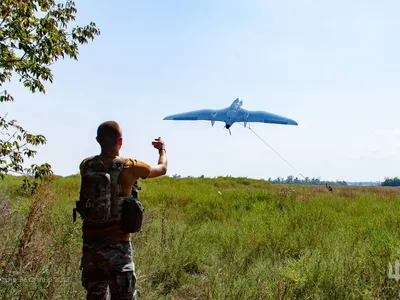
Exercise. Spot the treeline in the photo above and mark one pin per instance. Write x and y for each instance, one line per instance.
(306, 180)
(281, 180)
(391, 182)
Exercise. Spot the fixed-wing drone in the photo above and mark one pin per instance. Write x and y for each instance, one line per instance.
(229, 115)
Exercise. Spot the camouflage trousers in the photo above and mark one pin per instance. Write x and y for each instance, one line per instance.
(108, 270)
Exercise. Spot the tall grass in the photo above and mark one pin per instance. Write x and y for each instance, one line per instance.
(221, 238)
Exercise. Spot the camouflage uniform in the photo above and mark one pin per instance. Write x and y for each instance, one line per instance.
(107, 253)
(107, 263)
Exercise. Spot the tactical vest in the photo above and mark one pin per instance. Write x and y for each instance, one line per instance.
(100, 200)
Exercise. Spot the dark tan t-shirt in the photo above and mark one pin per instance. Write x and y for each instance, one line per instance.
(132, 171)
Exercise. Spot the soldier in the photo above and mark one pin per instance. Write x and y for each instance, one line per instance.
(329, 187)
(107, 254)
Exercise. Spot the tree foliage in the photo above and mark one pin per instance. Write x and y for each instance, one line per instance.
(391, 181)
(311, 181)
(34, 34)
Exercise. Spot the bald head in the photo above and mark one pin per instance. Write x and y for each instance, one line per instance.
(109, 134)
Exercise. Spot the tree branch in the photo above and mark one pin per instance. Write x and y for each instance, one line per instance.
(12, 136)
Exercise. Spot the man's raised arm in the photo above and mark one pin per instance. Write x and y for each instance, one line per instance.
(161, 168)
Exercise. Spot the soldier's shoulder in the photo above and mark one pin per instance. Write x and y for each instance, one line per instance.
(82, 164)
(87, 159)
(133, 162)
(128, 162)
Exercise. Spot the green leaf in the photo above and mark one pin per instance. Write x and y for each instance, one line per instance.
(29, 46)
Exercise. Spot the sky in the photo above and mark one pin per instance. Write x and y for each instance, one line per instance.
(333, 66)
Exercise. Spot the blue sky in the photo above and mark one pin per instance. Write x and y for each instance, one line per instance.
(331, 66)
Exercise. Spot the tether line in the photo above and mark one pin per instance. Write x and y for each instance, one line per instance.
(275, 152)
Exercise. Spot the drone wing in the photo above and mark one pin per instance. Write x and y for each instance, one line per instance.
(266, 117)
(196, 115)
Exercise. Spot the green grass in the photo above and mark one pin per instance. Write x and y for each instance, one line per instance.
(221, 238)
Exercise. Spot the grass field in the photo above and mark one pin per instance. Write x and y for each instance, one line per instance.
(222, 238)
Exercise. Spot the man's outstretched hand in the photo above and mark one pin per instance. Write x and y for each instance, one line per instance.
(161, 168)
(158, 143)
